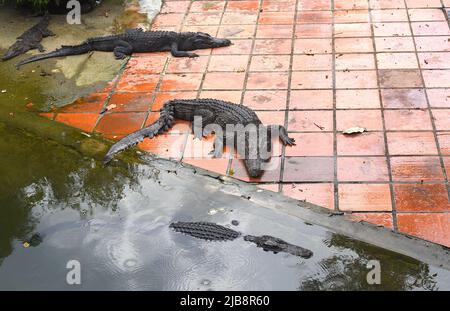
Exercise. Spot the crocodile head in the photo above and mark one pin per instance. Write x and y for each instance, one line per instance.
(257, 163)
(201, 40)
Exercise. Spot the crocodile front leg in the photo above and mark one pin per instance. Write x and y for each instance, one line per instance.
(177, 53)
(285, 139)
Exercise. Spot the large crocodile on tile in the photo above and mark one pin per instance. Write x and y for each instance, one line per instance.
(239, 126)
(214, 232)
(139, 41)
(30, 39)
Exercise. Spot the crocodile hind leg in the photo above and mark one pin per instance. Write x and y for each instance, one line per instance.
(122, 50)
(198, 128)
(282, 133)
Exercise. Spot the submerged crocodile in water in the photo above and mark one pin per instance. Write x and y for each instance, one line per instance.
(30, 39)
(253, 140)
(214, 232)
(139, 41)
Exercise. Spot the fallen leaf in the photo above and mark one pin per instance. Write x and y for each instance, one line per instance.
(231, 172)
(354, 130)
(26, 244)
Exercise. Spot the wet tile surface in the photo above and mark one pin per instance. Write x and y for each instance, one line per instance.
(383, 65)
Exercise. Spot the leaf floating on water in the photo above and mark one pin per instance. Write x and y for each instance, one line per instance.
(354, 130)
(231, 172)
(212, 212)
(85, 134)
(26, 244)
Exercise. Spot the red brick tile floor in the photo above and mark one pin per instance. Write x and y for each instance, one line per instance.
(318, 67)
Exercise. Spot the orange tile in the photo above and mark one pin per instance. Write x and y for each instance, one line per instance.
(438, 44)
(274, 31)
(397, 61)
(439, 98)
(272, 46)
(270, 63)
(239, 18)
(146, 65)
(351, 16)
(187, 65)
(434, 60)
(246, 5)
(441, 119)
(403, 98)
(83, 121)
(221, 81)
(399, 78)
(230, 96)
(271, 117)
(352, 30)
(314, 5)
(175, 7)
(228, 63)
(391, 29)
(93, 103)
(319, 194)
(436, 78)
(181, 82)
(431, 227)
(308, 169)
(447, 166)
(167, 146)
(311, 144)
(362, 169)
(312, 46)
(48, 115)
(271, 171)
(212, 30)
(365, 198)
(311, 80)
(368, 119)
(214, 165)
(353, 45)
(313, 31)
(357, 99)
(423, 3)
(354, 61)
(276, 18)
(411, 143)
(444, 143)
(416, 169)
(421, 198)
(387, 4)
(311, 99)
(430, 28)
(355, 79)
(120, 123)
(312, 62)
(407, 120)
(163, 97)
(204, 18)
(132, 101)
(265, 100)
(314, 17)
(207, 6)
(389, 15)
(417, 15)
(277, 6)
(381, 219)
(350, 4)
(361, 144)
(169, 19)
(137, 82)
(314, 121)
(236, 31)
(267, 80)
(394, 44)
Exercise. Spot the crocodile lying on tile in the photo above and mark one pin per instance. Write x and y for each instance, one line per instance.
(214, 232)
(139, 41)
(253, 140)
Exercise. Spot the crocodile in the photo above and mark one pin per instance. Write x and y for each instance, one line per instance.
(30, 39)
(276, 245)
(139, 41)
(214, 232)
(215, 113)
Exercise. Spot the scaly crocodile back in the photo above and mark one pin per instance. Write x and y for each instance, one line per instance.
(205, 230)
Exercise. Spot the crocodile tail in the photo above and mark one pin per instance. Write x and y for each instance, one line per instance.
(164, 122)
(65, 50)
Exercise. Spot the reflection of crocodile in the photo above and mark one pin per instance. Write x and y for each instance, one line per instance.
(214, 232)
(139, 41)
(213, 112)
(30, 39)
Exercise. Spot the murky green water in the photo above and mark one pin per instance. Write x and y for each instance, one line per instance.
(114, 220)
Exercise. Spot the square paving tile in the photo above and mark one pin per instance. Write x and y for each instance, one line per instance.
(381, 219)
(319, 194)
(416, 169)
(357, 99)
(363, 144)
(357, 169)
(405, 120)
(308, 169)
(421, 198)
(311, 99)
(429, 226)
(364, 198)
(404, 98)
(411, 143)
